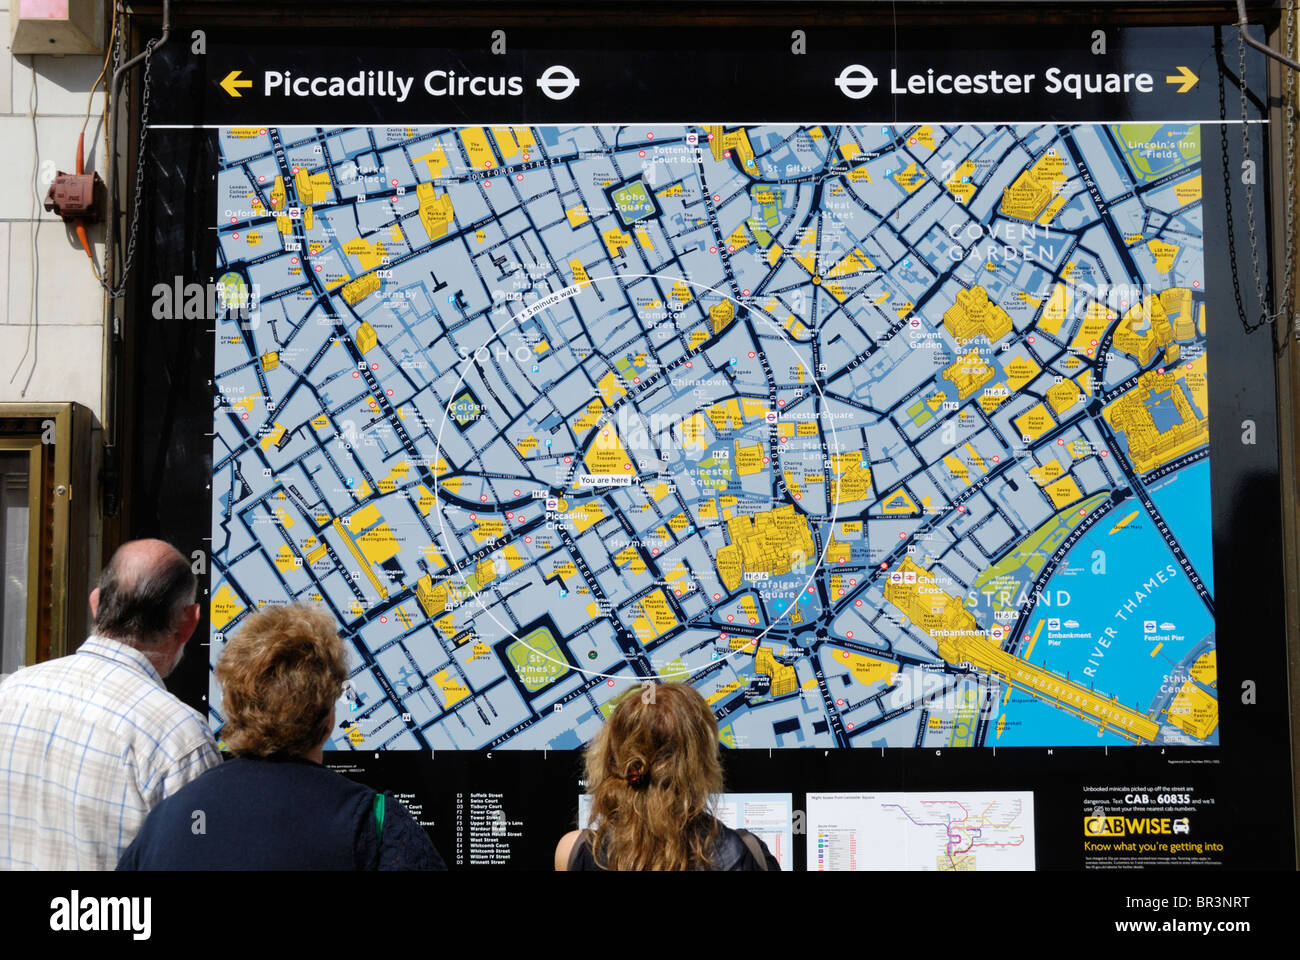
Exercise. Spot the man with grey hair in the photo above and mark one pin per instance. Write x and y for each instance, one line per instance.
(90, 743)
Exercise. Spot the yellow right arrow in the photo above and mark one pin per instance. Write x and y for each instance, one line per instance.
(1184, 78)
(231, 83)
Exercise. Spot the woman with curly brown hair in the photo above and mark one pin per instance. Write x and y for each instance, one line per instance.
(274, 806)
(653, 770)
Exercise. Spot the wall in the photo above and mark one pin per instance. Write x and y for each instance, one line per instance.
(51, 306)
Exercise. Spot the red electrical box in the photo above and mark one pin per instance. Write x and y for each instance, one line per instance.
(76, 196)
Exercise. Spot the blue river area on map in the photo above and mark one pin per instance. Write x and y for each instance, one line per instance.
(1126, 669)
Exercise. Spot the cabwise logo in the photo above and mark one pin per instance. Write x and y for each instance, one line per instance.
(1104, 826)
(855, 81)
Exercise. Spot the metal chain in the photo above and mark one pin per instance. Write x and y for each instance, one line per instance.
(1262, 291)
(120, 289)
(1227, 190)
(117, 43)
(1291, 115)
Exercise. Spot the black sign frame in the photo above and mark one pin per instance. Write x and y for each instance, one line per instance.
(169, 459)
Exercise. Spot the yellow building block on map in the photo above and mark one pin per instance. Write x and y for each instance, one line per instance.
(899, 502)
(957, 469)
(312, 187)
(369, 255)
(721, 314)
(367, 339)
(453, 689)
(749, 460)
(1062, 396)
(611, 387)
(586, 515)
(1095, 321)
(588, 417)
(694, 434)
(225, 607)
(968, 373)
(958, 185)
(630, 557)
(379, 544)
(436, 210)
(1063, 491)
(1034, 189)
(1189, 190)
(1057, 310)
(1195, 711)
(659, 612)
(867, 670)
(973, 314)
(477, 148)
(272, 436)
(1045, 474)
(616, 241)
(360, 288)
(911, 178)
(1164, 252)
(657, 491)
(1020, 370)
(1034, 423)
(606, 454)
(435, 161)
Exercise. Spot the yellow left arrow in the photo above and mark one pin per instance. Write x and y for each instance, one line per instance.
(1184, 79)
(232, 83)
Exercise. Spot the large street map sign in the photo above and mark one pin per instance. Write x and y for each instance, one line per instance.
(878, 435)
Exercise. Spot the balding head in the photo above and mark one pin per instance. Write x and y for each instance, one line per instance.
(143, 594)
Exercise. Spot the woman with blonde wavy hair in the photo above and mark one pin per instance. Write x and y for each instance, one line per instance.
(653, 771)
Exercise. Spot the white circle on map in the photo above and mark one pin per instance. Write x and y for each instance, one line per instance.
(833, 447)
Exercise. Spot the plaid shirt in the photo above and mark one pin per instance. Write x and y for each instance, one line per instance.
(89, 744)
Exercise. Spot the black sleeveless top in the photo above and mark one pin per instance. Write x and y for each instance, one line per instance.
(730, 852)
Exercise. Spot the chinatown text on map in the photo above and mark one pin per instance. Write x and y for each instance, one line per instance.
(878, 436)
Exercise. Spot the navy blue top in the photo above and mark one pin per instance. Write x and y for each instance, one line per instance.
(281, 813)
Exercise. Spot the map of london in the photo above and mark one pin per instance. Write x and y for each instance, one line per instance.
(878, 436)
